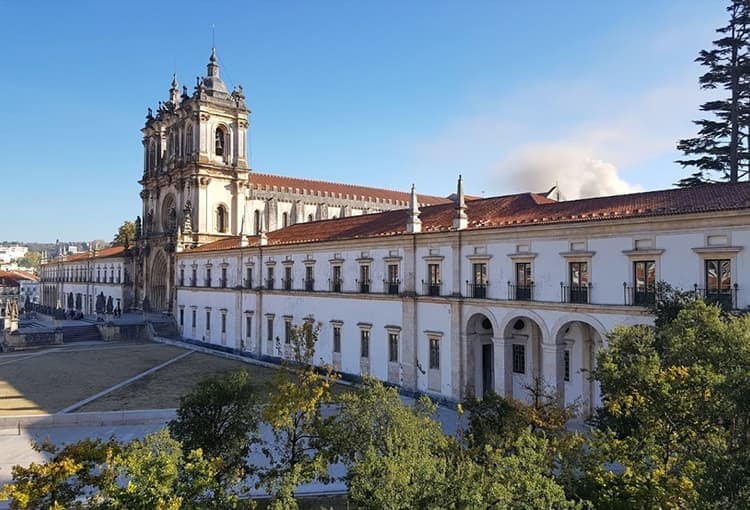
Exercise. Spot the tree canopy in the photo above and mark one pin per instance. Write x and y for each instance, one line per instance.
(125, 235)
(722, 147)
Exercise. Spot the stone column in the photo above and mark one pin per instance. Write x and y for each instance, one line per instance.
(498, 366)
(551, 372)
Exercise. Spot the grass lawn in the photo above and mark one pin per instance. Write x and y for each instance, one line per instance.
(163, 388)
(51, 380)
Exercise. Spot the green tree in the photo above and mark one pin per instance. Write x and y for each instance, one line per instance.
(220, 417)
(295, 413)
(125, 235)
(59, 482)
(722, 143)
(31, 260)
(675, 415)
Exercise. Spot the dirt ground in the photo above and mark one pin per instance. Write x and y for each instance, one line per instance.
(163, 388)
(50, 380)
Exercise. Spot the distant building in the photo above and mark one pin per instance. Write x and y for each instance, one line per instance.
(12, 253)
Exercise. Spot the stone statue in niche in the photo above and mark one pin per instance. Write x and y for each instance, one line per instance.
(187, 211)
(149, 221)
(138, 228)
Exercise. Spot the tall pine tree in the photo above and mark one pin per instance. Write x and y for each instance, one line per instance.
(723, 142)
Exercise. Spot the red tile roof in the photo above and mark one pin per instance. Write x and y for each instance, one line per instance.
(512, 210)
(344, 191)
(112, 251)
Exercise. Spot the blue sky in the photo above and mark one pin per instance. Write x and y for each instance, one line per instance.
(590, 94)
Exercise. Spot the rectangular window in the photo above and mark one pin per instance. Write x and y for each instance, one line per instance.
(287, 332)
(336, 279)
(364, 278)
(193, 318)
(718, 279)
(644, 282)
(337, 339)
(364, 343)
(249, 277)
(269, 329)
(309, 278)
(287, 278)
(223, 277)
(519, 359)
(223, 323)
(566, 363)
(479, 275)
(393, 347)
(208, 320)
(248, 326)
(270, 278)
(434, 353)
(182, 277)
(182, 317)
(393, 279)
(433, 279)
(194, 278)
(579, 281)
(523, 281)
(208, 277)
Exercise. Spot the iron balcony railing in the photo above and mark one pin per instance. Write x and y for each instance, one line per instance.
(726, 298)
(575, 293)
(269, 283)
(309, 284)
(431, 288)
(391, 286)
(193, 283)
(336, 284)
(207, 282)
(639, 295)
(286, 283)
(363, 286)
(476, 290)
(223, 283)
(520, 292)
(248, 283)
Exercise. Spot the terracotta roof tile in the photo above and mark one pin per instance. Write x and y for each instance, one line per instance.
(511, 210)
(112, 251)
(295, 184)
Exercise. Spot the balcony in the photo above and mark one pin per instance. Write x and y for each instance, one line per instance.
(364, 286)
(391, 286)
(520, 292)
(247, 283)
(431, 288)
(286, 283)
(181, 282)
(725, 298)
(575, 293)
(207, 282)
(223, 283)
(336, 284)
(269, 283)
(639, 296)
(309, 284)
(193, 283)
(476, 290)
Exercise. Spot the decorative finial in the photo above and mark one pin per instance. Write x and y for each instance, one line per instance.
(414, 225)
(461, 220)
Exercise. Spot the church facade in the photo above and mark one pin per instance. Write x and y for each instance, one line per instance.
(445, 296)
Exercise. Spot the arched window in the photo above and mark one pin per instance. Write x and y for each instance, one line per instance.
(189, 141)
(220, 141)
(285, 220)
(221, 219)
(256, 222)
(309, 217)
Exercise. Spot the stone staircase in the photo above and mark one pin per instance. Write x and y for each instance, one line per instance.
(85, 333)
(166, 329)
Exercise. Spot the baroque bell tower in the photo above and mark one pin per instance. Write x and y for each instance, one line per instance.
(195, 176)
